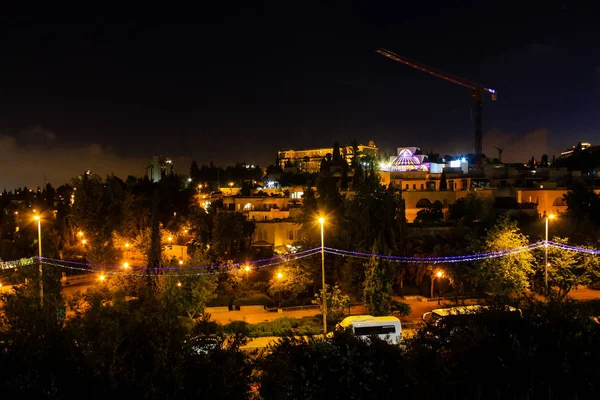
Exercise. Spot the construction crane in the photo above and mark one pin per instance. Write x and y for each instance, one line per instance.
(476, 89)
(499, 153)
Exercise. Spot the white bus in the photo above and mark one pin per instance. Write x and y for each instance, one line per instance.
(386, 328)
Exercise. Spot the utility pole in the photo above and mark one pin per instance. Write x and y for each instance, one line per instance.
(324, 295)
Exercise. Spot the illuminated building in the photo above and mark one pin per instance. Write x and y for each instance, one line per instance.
(411, 171)
(583, 146)
(309, 160)
(161, 166)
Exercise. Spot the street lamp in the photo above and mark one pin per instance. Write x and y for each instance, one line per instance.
(551, 216)
(324, 296)
(247, 268)
(439, 275)
(125, 265)
(101, 278)
(39, 223)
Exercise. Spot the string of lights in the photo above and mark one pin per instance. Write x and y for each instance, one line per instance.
(573, 248)
(286, 257)
(274, 261)
(440, 259)
(140, 273)
(447, 260)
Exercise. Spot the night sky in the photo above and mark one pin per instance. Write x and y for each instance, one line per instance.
(106, 88)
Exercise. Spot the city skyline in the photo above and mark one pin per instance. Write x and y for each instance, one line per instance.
(106, 91)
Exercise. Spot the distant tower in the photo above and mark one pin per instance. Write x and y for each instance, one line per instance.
(161, 166)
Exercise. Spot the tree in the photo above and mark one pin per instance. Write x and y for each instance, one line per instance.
(187, 295)
(544, 161)
(155, 250)
(510, 273)
(231, 234)
(295, 279)
(430, 216)
(337, 302)
(443, 182)
(99, 210)
(583, 204)
(344, 367)
(377, 294)
(470, 210)
(195, 171)
(567, 269)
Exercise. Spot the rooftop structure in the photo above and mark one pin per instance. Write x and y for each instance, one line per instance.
(409, 159)
(161, 166)
(582, 146)
(309, 160)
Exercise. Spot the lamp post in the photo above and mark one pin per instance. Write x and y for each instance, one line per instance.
(551, 216)
(439, 275)
(39, 222)
(324, 295)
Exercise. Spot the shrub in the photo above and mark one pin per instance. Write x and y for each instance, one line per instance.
(237, 327)
(279, 327)
(401, 308)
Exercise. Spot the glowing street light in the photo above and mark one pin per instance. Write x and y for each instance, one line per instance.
(178, 284)
(125, 265)
(439, 274)
(180, 262)
(324, 294)
(39, 224)
(126, 245)
(247, 268)
(170, 239)
(551, 216)
(83, 241)
(279, 275)
(101, 278)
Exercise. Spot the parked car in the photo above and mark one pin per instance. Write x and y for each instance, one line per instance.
(204, 344)
(364, 326)
(456, 318)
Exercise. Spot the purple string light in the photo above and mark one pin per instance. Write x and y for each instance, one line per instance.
(224, 266)
(444, 259)
(573, 248)
(258, 264)
(215, 272)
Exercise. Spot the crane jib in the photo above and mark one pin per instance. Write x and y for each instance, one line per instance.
(476, 88)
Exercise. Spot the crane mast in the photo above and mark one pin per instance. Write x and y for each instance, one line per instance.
(476, 89)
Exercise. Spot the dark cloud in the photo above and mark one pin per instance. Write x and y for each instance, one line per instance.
(36, 155)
